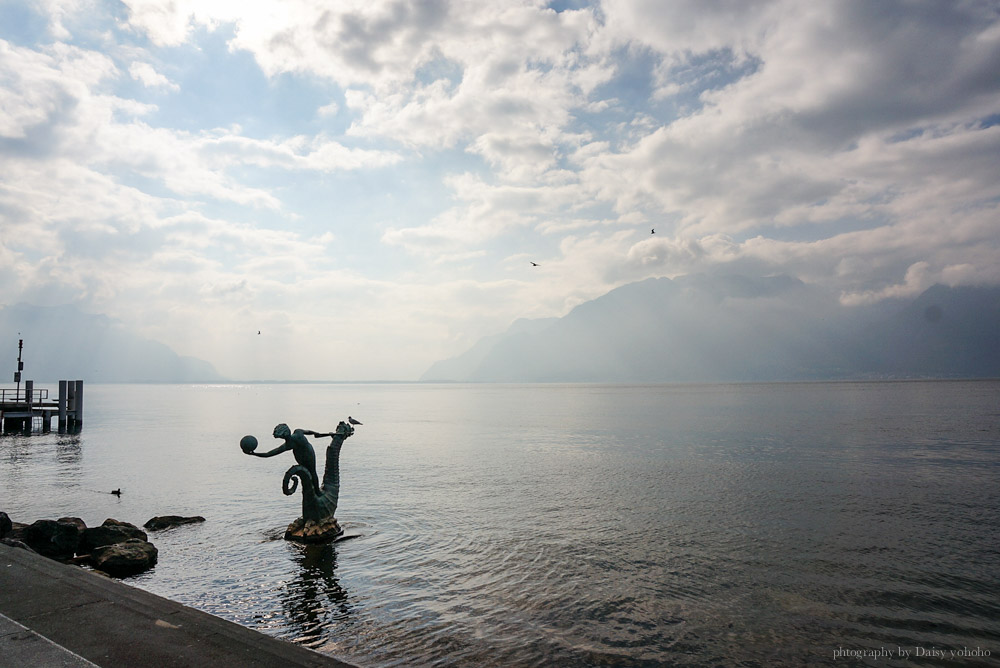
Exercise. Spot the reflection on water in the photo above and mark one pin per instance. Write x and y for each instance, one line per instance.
(314, 601)
(17, 449)
(570, 525)
(68, 451)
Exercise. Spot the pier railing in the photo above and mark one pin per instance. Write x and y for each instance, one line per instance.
(21, 396)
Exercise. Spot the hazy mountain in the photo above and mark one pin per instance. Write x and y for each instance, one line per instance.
(950, 332)
(466, 364)
(62, 342)
(707, 328)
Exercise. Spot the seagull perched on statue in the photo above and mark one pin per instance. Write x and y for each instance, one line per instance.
(352, 420)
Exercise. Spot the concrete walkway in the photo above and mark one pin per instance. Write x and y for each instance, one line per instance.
(53, 614)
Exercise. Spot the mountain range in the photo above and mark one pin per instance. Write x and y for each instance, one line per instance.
(738, 328)
(62, 342)
(697, 328)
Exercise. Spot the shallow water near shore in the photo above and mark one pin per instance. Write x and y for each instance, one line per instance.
(540, 525)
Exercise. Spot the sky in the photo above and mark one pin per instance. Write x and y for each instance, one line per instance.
(366, 184)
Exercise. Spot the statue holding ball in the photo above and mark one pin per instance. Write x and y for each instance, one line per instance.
(319, 497)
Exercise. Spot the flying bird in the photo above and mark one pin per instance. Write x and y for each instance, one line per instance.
(352, 420)
(117, 492)
(258, 332)
(653, 231)
(533, 264)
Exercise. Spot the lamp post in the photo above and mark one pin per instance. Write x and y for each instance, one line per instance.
(20, 367)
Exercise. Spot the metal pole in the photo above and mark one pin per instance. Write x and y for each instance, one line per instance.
(20, 367)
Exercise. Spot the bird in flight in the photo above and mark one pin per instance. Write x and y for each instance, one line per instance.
(352, 420)
(258, 332)
(533, 264)
(653, 231)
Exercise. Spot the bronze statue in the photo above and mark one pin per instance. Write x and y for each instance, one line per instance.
(319, 499)
(301, 448)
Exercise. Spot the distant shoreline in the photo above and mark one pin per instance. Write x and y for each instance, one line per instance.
(899, 379)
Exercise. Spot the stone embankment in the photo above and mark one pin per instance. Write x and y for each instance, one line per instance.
(116, 548)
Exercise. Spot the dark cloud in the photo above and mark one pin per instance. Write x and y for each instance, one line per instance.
(358, 36)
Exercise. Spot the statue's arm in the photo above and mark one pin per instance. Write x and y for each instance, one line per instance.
(343, 430)
(310, 432)
(271, 453)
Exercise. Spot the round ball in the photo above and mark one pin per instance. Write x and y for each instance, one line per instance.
(248, 443)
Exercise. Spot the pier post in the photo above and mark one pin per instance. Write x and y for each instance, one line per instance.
(62, 406)
(29, 396)
(79, 405)
(70, 405)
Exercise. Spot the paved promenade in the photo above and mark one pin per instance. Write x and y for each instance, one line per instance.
(52, 614)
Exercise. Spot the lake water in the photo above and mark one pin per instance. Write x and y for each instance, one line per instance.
(563, 525)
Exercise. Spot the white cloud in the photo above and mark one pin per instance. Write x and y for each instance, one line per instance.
(423, 152)
(145, 73)
(170, 22)
(42, 86)
(316, 153)
(485, 213)
(509, 74)
(917, 280)
(329, 109)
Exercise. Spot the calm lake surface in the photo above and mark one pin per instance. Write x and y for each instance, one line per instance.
(562, 525)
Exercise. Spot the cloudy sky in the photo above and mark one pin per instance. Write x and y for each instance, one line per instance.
(366, 183)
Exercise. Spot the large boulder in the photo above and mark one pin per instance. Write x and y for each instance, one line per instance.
(74, 521)
(126, 558)
(110, 522)
(109, 533)
(5, 524)
(52, 538)
(162, 522)
(77, 525)
(16, 531)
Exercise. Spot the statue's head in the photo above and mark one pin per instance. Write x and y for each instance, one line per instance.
(282, 430)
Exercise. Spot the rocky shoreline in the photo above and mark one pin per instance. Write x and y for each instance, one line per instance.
(116, 548)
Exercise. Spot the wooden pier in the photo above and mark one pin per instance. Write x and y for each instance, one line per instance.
(27, 410)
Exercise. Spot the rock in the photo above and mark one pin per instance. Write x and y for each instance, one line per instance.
(15, 543)
(16, 532)
(57, 540)
(309, 531)
(74, 524)
(162, 522)
(75, 521)
(5, 524)
(109, 533)
(126, 558)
